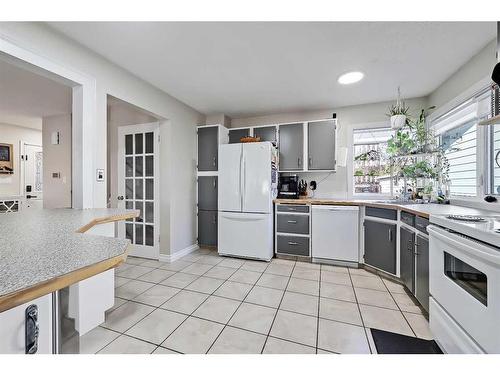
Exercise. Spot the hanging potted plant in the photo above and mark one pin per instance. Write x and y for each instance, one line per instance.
(398, 113)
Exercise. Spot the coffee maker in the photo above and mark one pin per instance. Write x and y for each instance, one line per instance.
(288, 187)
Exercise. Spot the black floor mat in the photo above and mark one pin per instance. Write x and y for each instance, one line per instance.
(394, 343)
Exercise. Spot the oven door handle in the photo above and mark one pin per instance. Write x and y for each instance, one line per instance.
(466, 245)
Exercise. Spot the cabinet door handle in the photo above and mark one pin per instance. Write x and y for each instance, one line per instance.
(291, 209)
(32, 329)
(310, 161)
(390, 235)
(298, 162)
(215, 183)
(292, 221)
(214, 161)
(293, 243)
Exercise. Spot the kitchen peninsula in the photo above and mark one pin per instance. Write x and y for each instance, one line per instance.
(45, 251)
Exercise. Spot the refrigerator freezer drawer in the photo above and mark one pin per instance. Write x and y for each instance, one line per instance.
(246, 235)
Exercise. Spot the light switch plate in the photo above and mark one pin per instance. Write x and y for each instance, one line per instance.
(100, 175)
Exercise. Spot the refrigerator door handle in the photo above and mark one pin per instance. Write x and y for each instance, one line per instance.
(241, 180)
(244, 179)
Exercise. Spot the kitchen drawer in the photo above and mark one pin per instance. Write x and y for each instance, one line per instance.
(292, 245)
(298, 224)
(383, 213)
(293, 208)
(421, 224)
(408, 218)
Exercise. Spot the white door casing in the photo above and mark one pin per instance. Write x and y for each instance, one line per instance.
(33, 175)
(138, 187)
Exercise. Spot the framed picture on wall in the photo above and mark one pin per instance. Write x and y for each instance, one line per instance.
(6, 158)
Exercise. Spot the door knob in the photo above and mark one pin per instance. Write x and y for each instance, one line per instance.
(120, 197)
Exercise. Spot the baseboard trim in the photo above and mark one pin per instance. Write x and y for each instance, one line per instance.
(178, 254)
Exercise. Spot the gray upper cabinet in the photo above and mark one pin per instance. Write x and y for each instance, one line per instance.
(380, 245)
(321, 145)
(266, 133)
(291, 141)
(422, 279)
(407, 257)
(207, 148)
(236, 134)
(207, 193)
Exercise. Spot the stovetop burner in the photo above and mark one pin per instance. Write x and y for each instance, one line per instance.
(467, 218)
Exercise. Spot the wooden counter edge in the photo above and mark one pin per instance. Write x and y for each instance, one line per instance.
(19, 297)
(351, 203)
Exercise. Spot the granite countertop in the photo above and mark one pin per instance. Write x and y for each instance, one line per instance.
(424, 210)
(39, 246)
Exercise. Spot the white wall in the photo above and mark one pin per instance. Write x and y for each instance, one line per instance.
(338, 184)
(57, 159)
(473, 75)
(12, 184)
(177, 164)
(218, 118)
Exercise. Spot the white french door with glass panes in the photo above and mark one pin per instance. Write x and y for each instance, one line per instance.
(138, 187)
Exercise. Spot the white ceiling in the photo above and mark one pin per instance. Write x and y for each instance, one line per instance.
(26, 97)
(244, 69)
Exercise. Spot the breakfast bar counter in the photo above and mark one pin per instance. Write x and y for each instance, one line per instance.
(45, 250)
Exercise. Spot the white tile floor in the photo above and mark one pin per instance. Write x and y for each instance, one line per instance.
(204, 303)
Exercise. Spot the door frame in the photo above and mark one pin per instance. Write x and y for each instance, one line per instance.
(22, 162)
(85, 188)
(120, 179)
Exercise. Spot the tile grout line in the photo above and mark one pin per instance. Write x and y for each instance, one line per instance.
(241, 302)
(319, 303)
(278, 308)
(401, 311)
(155, 308)
(360, 314)
(209, 295)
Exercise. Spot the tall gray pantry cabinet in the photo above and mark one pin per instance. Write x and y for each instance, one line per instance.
(209, 138)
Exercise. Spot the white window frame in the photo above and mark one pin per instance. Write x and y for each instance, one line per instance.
(482, 146)
(350, 162)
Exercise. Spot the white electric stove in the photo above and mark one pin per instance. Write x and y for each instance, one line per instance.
(464, 277)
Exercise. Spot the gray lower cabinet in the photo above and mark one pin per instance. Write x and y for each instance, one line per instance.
(380, 245)
(207, 228)
(407, 257)
(208, 148)
(291, 146)
(422, 277)
(298, 224)
(321, 145)
(292, 245)
(207, 193)
(266, 133)
(236, 134)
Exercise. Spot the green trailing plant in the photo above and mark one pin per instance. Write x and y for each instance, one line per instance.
(401, 143)
(368, 156)
(413, 139)
(358, 172)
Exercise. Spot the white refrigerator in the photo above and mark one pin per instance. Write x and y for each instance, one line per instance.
(247, 187)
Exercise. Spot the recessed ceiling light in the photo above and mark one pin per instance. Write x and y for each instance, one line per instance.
(351, 77)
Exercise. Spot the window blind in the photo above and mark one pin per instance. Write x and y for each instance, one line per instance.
(457, 132)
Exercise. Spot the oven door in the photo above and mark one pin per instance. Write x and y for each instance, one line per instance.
(465, 280)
